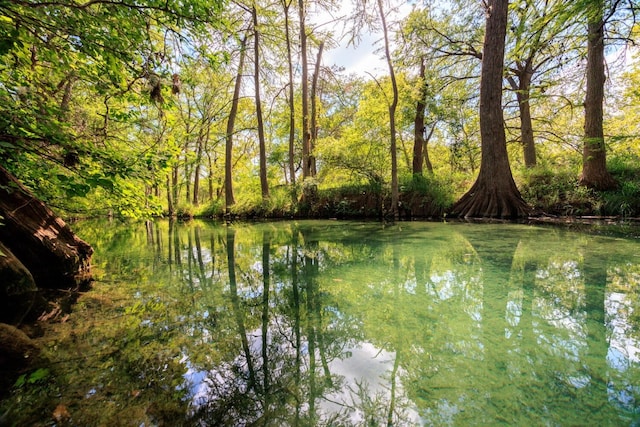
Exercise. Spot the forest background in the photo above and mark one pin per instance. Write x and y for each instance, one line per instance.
(200, 108)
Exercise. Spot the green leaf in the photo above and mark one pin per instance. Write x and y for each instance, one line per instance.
(34, 377)
(38, 375)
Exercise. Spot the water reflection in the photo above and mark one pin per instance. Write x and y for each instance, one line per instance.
(344, 323)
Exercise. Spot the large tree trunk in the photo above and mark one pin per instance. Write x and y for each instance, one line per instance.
(494, 194)
(42, 241)
(594, 159)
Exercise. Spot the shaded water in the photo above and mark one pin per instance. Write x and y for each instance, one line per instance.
(346, 323)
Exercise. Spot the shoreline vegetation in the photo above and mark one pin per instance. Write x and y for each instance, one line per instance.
(550, 195)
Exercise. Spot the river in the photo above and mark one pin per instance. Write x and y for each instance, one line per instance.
(336, 323)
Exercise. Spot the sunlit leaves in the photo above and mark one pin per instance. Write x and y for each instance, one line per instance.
(75, 79)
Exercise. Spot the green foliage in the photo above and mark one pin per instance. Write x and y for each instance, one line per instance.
(76, 86)
(280, 202)
(350, 201)
(624, 200)
(185, 210)
(212, 209)
(34, 377)
(439, 192)
(556, 192)
(104, 106)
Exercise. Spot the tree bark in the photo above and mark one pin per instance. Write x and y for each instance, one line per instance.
(594, 158)
(42, 241)
(210, 176)
(170, 206)
(197, 171)
(188, 171)
(425, 150)
(175, 189)
(523, 95)
(16, 278)
(494, 194)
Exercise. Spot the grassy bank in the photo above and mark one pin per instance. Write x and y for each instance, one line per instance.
(548, 192)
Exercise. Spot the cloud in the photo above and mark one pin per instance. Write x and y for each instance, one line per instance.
(367, 58)
(362, 59)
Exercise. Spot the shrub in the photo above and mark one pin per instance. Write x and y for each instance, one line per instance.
(557, 192)
(624, 200)
(438, 192)
(213, 209)
(185, 210)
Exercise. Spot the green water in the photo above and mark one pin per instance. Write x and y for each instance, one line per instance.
(346, 323)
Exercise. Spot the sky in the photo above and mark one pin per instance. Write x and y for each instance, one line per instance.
(361, 59)
(367, 57)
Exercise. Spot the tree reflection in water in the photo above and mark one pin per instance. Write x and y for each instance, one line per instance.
(346, 323)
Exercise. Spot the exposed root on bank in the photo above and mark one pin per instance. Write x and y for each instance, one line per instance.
(481, 201)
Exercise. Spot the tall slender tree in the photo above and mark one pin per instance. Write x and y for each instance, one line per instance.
(541, 43)
(306, 134)
(286, 5)
(419, 149)
(314, 111)
(264, 185)
(494, 194)
(228, 161)
(392, 114)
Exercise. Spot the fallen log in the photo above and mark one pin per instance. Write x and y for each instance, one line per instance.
(41, 240)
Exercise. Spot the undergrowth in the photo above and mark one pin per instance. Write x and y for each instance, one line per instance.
(558, 192)
(547, 189)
